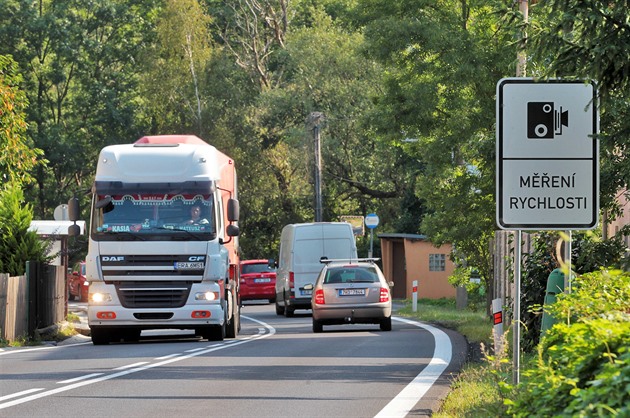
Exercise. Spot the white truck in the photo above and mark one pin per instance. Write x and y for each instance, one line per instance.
(150, 263)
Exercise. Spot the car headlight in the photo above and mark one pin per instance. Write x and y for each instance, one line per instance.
(100, 297)
(209, 296)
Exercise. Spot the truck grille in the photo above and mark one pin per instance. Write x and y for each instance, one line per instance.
(153, 294)
(146, 266)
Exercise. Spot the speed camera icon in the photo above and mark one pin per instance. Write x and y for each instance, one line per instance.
(544, 121)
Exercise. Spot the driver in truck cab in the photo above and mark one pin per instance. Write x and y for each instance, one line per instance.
(195, 216)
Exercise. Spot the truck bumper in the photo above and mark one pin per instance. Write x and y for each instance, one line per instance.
(194, 314)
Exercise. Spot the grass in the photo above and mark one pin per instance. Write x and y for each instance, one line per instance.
(56, 333)
(481, 387)
(474, 324)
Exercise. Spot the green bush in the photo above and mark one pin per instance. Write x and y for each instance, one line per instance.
(17, 244)
(584, 360)
(589, 253)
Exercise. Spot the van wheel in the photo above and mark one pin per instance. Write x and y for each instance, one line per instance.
(289, 311)
(279, 309)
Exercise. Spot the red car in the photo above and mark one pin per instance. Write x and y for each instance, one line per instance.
(258, 280)
(77, 285)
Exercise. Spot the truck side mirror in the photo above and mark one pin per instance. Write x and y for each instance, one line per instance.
(232, 231)
(73, 209)
(233, 210)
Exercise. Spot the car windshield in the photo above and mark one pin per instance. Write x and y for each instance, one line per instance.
(256, 268)
(153, 216)
(354, 274)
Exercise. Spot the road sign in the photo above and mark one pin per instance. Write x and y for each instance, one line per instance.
(371, 220)
(547, 154)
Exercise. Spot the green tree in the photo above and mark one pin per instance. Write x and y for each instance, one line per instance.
(175, 69)
(443, 60)
(590, 40)
(17, 244)
(80, 65)
(17, 156)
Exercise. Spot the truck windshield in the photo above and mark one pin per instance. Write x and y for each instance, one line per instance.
(153, 216)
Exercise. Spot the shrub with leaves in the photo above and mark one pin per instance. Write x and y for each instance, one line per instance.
(584, 360)
(17, 244)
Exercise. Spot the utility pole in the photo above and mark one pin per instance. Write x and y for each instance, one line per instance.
(521, 69)
(315, 119)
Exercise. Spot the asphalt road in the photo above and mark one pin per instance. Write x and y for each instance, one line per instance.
(276, 367)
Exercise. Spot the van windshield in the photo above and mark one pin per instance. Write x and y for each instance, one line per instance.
(153, 216)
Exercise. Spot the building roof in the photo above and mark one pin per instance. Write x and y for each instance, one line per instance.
(413, 237)
(54, 227)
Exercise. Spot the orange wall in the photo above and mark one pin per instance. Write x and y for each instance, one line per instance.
(431, 284)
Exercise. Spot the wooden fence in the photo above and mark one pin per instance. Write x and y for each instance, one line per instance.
(33, 301)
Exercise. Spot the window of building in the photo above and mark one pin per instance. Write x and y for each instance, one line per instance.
(437, 262)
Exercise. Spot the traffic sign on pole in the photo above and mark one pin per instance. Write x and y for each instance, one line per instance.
(547, 154)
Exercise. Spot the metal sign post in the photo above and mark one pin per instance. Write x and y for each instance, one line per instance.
(371, 222)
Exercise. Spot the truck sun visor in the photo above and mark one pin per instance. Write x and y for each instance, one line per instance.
(119, 187)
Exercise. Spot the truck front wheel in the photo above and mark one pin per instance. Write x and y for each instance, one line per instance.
(100, 336)
(213, 333)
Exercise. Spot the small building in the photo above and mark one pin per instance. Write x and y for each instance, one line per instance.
(57, 233)
(409, 257)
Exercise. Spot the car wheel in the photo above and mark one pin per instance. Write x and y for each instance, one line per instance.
(386, 324)
(317, 326)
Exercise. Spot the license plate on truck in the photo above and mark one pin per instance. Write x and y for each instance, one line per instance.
(189, 265)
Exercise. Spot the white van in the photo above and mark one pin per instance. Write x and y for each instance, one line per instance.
(301, 248)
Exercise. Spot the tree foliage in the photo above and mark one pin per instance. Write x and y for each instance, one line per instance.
(17, 155)
(406, 89)
(17, 244)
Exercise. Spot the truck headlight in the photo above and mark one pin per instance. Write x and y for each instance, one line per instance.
(209, 296)
(100, 297)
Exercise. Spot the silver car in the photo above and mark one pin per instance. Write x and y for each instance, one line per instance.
(351, 292)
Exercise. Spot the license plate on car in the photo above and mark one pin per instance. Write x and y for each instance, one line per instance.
(189, 265)
(351, 292)
(262, 280)
(306, 292)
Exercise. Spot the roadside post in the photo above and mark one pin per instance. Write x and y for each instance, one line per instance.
(547, 164)
(414, 296)
(497, 319)
(371, 222)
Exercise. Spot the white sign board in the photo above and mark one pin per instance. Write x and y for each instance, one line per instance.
(371, 220)
(547, 154)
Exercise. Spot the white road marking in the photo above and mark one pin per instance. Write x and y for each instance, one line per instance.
(129, 366)
(414, 391)
(121, 373)
(15, 395)
(76, 379)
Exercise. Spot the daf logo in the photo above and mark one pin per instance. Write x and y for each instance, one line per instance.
(197, 258)
(113, 258)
